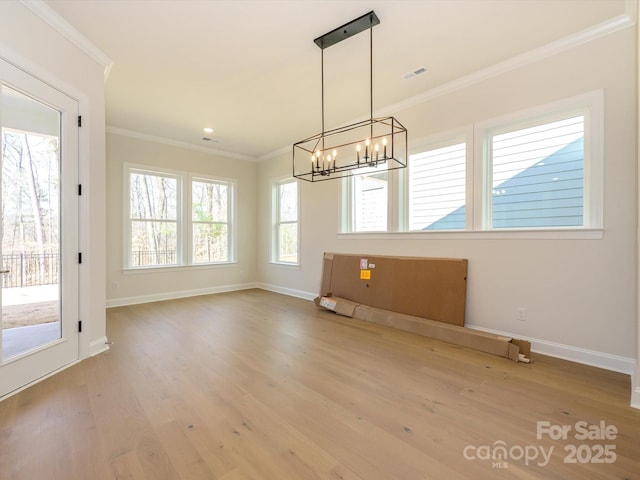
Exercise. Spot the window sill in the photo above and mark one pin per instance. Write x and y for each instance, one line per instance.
(503, 234)
(177, 268)
(292, 266)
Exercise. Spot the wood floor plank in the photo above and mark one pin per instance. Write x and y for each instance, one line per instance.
(257, 385)
(127, 467)
(183, 455)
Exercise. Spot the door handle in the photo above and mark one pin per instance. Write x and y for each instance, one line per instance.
(5, 271)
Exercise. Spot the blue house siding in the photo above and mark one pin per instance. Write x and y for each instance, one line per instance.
(547, 194)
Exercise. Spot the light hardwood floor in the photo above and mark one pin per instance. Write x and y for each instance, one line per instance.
(256, 385)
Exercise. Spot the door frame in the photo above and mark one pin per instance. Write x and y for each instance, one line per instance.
(20, 371)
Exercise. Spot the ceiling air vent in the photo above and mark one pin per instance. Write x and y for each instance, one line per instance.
(414, 73)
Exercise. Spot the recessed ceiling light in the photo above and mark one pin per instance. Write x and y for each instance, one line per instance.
(208, 130)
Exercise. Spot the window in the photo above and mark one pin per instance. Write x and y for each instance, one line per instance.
(537, 175)
(210, 201)
(437, 188)
(160, 230)
(369, 199)
(285, 239)
(153, 211)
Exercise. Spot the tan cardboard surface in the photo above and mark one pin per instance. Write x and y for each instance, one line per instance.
(515, 349)
(433, 288)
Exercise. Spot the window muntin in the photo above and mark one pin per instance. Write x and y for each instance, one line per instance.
(537, 175)
(437, 188)
(210, 229)
(286, 237)
(154, 201)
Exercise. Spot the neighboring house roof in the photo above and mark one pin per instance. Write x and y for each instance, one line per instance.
(547, 194)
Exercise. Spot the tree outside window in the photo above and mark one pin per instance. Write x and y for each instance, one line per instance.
(153, 210)
(210, 221)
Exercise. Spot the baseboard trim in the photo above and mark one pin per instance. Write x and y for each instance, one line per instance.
(98, 346)
(159, 297)
(287, 291)
(594, 358)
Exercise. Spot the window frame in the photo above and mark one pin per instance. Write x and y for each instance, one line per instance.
(128, 220)
(231, 224)
(184, 224)
(348, 215)
(435, 142)
(591, 106)
(276, 221)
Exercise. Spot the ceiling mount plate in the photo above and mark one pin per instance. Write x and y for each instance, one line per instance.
(347, 30)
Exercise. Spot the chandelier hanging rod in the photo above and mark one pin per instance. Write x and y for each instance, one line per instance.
(360, 24)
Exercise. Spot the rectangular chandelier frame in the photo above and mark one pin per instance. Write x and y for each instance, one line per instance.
(344, 151)
(355, 149)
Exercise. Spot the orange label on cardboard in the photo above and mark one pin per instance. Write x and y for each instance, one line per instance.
(365, 274)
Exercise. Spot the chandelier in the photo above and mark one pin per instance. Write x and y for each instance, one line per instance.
(375, 144)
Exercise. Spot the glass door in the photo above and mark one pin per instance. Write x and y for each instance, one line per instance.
(38, 229)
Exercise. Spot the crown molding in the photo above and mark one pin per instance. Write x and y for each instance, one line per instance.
(612, 25)
(68, 31)
(276, 153)
(619, 22)
(176, 143)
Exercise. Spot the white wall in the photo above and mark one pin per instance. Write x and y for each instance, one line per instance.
(136, 286)
(580, 295)
(29, 42)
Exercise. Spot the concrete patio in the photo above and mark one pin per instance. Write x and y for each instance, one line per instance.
(30, 318)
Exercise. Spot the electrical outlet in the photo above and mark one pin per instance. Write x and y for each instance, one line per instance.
(114, 285)
(521, 314)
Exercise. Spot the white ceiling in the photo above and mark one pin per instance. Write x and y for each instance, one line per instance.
(250, 70)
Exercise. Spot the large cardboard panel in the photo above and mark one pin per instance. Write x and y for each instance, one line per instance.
(434, 288)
